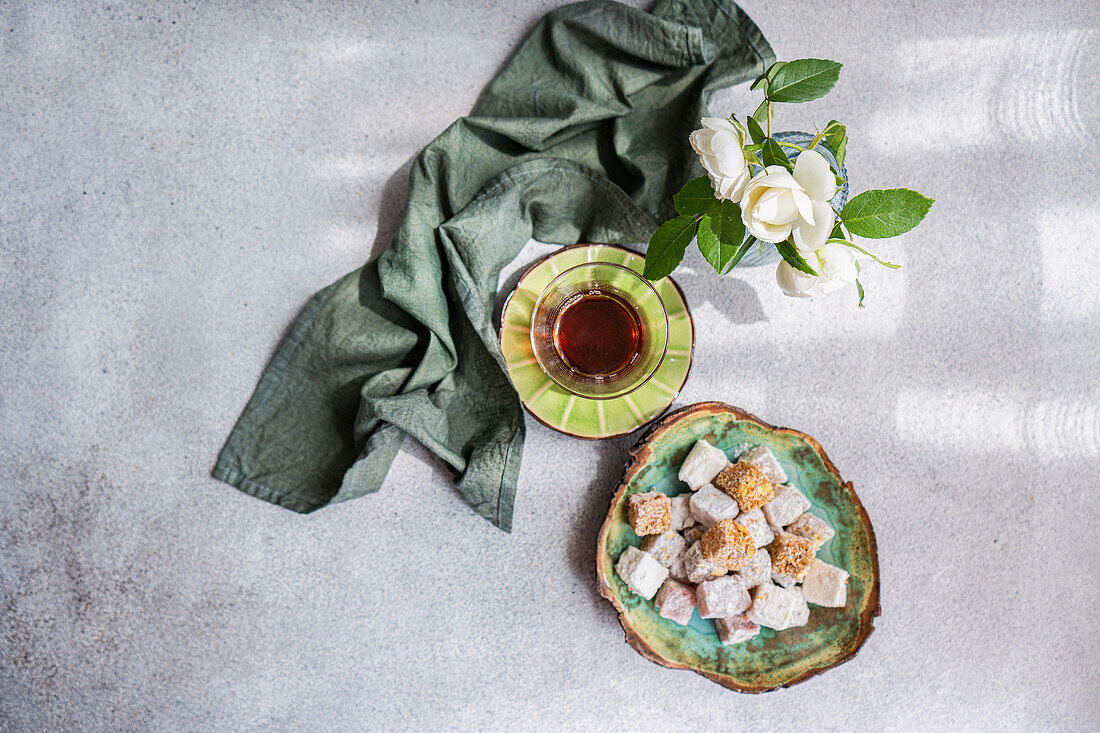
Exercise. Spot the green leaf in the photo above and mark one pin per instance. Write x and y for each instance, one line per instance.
(761, 113)
(859, 286)
(694, 198)
(767, 76)
(794, 258)
(739, 254)
(667, 246)
(837, 232)
(773, 154)
(837, 140)
(720, 233)
(755, 131)
(882, 213)
(803, 80)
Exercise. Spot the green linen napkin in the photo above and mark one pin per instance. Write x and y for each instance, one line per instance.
(580, 138)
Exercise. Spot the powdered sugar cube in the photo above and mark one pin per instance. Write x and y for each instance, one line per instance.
(772, 606)
(813, 528)
(766, 462)
(785, 507)
(681, 512)
(664, 547)
(736, 629)
(641, 573)
(702, 464)
(826, 585)
(800, 614)
(757, 525)
(710, 506)
(697, 567)
(676, 601)
(759, 569)
(721, 597)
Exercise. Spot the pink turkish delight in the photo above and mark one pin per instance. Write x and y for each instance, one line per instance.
(722, 597)
(676, 601)
(736, 629)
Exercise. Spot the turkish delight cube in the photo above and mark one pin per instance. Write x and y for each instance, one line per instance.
(710, 506)
(641, 573)
(693, 533)
(736, 629)
(757, 525)
(698, 568)
(728, 544)
(791, 555)
(747, 484)
(825, 585)
(758, 570)
(772, 606)
(649, 513)
(721, 597)
(800, 614)
(702, 464)
(681, 512)
(766, 462)
(813, 528)
(664, 547)
(675, 601)
(785, 507)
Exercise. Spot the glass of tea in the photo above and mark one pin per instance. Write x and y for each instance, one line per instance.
(599, 330)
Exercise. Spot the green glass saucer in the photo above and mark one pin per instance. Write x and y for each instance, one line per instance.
(577, 416)
(772, 659)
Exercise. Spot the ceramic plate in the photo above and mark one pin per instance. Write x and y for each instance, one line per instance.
(773, 659)
(568, 413)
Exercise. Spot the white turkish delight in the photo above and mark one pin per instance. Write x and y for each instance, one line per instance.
(825, 585)
(664, 547)
(757, 525)
(675, 601)
(681, 511)
(759, 569)
(772, 606)
(800, 614)
(641, 572)
(697, 567)
(710, 506)
(735, 629)
(721, 597)
(702, 464)
(766, 462)
(813, 528)
(785, 507)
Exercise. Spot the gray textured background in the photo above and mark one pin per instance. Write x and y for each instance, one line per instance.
(177, 179)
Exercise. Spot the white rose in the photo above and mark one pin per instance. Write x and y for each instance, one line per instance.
(836, 268)
(719, 147)
(778, 204)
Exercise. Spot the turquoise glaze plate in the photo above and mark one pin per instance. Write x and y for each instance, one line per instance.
(773, 659)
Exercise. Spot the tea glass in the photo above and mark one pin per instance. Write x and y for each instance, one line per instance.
(626, 286)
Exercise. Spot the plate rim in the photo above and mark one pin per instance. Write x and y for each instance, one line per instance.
(639, 456)
(672, 398)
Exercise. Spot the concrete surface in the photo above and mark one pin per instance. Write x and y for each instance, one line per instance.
(177, 179)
